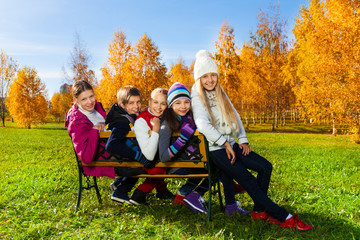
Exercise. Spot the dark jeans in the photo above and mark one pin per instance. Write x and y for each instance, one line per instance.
(192, 184)
(125, 182)
(257, 187)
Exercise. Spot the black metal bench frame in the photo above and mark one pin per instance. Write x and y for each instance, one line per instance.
(198, 159)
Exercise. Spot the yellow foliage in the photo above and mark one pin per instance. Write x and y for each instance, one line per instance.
(180, 73)
(27, 98)
(60, 104)
(55, 106)
(228, 62)
(144, 68)
(113, 71)
(327, 51)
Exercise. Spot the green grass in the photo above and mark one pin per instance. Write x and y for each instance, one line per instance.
(315, 176)
(295, 127)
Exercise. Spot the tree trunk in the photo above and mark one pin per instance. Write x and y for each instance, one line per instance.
(334, 128)
(246, 120)
(253, 114)
(284, 119)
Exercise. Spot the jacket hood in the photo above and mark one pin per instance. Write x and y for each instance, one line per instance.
(118, 114)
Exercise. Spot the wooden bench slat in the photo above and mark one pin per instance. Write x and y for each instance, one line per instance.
(137, 164)
(194, 159)
(173, 176)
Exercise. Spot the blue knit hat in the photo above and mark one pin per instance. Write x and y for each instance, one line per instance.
(177, 91)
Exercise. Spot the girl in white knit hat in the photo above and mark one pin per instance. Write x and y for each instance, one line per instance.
(217, 119)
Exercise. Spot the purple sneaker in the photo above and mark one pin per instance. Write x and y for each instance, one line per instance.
(234, 208)
(195, 202)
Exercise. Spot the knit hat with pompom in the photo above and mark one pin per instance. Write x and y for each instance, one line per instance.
(204, 64)
(177, 91)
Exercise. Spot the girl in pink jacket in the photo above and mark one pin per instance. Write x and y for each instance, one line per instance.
(84, 121)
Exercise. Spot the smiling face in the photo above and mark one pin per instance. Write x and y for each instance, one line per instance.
(209, 81)
(133, 105)
(157, 104)
(86, 100)
(181, 107)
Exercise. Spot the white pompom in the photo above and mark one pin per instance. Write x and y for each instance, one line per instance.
(202, 53)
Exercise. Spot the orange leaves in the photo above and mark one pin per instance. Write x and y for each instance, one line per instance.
(27, 98)
(180, 73)
(113, 71)
(60, 103)
(229, 63)
(144, 68)
(139, 66)
(327, 39)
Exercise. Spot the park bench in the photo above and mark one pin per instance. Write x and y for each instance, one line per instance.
(196, 159)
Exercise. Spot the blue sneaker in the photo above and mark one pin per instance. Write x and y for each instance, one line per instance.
(114, 184)
(195, 202)
(234, 208)
(120, 198)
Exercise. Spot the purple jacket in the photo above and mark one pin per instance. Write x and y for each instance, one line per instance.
(86, 139)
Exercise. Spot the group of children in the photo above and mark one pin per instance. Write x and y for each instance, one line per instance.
(209, 110)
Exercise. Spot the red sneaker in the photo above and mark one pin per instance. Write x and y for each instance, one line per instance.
(179, 199)
(296, 223)
(264, 217)
(260, 216)
(238, 188)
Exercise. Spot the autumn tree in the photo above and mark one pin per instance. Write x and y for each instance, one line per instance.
(270, 45)
(253, 97)
(61, 102)
(228, 62)
(113, 70)
(180, 73)
(144, 68)
(8, 68)
(79, 64)
(327, 49)
(27, 98)
(55, 107)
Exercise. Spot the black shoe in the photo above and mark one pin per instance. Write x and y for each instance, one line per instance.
(138, 197)
(121, 198)
(164, 194)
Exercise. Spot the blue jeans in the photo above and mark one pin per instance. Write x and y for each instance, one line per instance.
(257, 187)
(192, 184)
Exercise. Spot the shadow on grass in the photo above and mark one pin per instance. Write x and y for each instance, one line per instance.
(184, 223)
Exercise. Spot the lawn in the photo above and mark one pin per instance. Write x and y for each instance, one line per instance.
(315, 176)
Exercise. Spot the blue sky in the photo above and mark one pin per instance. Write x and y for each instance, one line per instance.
(40, 33)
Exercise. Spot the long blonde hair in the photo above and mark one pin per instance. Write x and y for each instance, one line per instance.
(224, 104)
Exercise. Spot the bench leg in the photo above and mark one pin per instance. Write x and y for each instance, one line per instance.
(219, 193)
(79, 192)
(209, 203)
(97, 190)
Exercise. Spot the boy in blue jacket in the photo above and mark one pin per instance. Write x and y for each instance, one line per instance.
(120, 121)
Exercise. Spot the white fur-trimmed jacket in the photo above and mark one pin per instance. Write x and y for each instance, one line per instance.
(215, 136)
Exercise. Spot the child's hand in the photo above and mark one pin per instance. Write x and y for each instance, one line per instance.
(100, 127)
(246, 149)
(155, 122)
(230, 152)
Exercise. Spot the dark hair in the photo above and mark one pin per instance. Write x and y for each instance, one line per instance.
(80, 86)
(172, 119)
